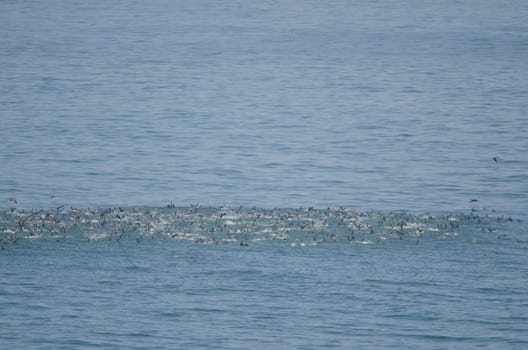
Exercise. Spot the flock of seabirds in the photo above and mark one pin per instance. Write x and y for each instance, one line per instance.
(235, 225)
(224, 224)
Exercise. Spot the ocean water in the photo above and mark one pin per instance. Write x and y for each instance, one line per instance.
(374, 105)
(263, 174)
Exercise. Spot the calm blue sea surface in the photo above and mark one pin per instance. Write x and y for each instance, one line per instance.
(407, 119)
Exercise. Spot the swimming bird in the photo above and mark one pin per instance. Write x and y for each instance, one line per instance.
(12, 199)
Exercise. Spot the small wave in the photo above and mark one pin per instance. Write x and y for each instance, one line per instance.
(299, 227)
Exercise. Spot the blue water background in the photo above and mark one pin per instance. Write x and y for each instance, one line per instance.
(438, 294)
(385, 105)
(378, 104)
